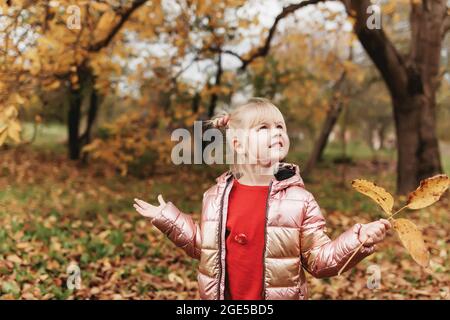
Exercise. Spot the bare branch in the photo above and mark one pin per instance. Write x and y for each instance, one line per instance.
(264, 49)
(123, 18)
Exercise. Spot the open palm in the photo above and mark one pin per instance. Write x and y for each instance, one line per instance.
(148, 210)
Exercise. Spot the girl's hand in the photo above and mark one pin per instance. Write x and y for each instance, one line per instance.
(148, 210)
(374, 232)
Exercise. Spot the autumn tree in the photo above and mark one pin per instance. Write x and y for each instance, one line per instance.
(412, 79)
(70, 48)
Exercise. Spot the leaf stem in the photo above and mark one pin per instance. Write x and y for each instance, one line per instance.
(351, 257)
(392, 216)
(359, 247)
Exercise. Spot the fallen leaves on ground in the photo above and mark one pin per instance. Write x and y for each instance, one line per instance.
(55, 213)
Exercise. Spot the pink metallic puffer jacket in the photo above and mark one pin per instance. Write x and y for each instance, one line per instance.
(295, 238)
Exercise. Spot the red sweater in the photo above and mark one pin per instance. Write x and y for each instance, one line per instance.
(245, 241)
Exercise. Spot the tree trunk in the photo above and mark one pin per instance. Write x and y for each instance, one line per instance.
(330, 121)
(214, 96)
(321, 143)
(84, 86)
(417, 146)
(412, 83)
(92, 115)
(368, 134)
(196, 102)
(382, 135)
(73, 118)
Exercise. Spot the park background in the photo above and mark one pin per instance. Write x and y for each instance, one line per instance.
(90, 92)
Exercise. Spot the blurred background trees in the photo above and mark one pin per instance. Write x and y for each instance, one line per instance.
(120, 75)
(91, 91)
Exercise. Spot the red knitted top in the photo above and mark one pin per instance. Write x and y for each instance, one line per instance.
(245, 241)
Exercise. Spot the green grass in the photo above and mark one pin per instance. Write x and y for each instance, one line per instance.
(357, 150)
(49, 136)
(446, 164)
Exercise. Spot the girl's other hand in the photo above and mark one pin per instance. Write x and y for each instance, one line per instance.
(223, 121)
(148, 210)
(374, 232)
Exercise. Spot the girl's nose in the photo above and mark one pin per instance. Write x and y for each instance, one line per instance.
(277, 132)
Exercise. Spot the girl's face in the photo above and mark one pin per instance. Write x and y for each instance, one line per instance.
(265, 143)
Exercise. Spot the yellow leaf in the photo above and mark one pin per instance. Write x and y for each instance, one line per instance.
(9, 113)
(49, 42)
(14, 131)
(99, 6)
(15, 125)
(381, 196)
(106, 19)
(3, 127)
(9, 126)
(74, 78)
(54, 85)
(19, 99)
(104, 234)
(3, 136)
(91, 146)
(389, 7)
(412, 240)
(173, 277)
(429, 191)
(14, 258)
(202, 8)
(244, 24)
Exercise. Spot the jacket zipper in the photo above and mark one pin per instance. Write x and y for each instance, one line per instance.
(265, 242)
(220, 238)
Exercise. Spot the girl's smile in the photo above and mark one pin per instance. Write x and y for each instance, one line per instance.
(277, 144)
(269, 142)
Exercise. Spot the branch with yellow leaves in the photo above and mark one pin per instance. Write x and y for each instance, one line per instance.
(429, 191)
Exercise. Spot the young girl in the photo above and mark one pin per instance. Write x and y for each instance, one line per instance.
(260, 227)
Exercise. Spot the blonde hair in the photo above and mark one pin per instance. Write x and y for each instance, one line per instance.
(245, 116)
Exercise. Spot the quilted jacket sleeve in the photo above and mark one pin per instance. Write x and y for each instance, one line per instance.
(321, 256)
(180, 228)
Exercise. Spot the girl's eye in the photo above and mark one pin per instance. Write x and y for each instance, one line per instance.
(280, 126)
(262, 127)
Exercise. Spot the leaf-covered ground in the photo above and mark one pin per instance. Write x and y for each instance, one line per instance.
(54, 212)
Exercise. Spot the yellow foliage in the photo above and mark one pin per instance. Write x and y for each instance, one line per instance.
(105, 23)
(429, 191)
(389, 7)
(99, 6)
(54, 85)
(130, 137)
(9, 125)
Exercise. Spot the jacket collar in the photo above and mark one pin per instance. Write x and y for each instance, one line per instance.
(288, 174)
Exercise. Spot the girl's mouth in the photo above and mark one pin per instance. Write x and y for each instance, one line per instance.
(277, 144)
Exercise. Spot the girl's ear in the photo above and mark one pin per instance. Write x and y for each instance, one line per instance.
(237, 146)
